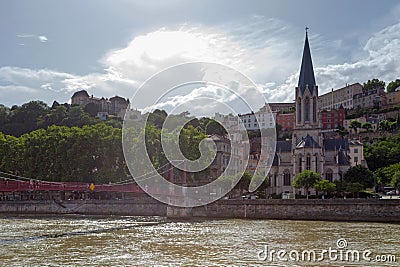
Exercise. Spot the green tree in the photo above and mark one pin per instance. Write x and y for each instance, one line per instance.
(306, 179)
(203, 124)
(354, 188)
(4, 115)
(324, 186)
(383, 153)
(384, 175)
(226, 182)
(259, 178)
(373, 84)
(92, 109)
(78, 117)
(244, 182)
(367, 126)
(359, 174)
(384, 126)
(157, 118)
(342, 131)
(56, 116)
(355, 125)
(393, 85)
(396, 181)
(214, 127)
(24, 119)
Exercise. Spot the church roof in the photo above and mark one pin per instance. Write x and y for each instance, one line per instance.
(285, 146)
(336, 144)
(307, 142)
(307, 71)
(275, 162)
(343, 157)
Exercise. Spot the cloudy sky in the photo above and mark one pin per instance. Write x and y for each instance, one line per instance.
(50, 49)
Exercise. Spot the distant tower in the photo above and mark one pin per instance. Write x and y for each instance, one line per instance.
(306, 93)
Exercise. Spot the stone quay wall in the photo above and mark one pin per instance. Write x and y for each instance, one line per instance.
(374, 210)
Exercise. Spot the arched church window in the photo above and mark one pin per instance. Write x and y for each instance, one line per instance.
(307, 109)
(286, 177)
(329, 175)
(308, 162)
(300, 163)
(299, 110)
(315, 109)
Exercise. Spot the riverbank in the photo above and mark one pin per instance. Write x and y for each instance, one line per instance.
(368, 210)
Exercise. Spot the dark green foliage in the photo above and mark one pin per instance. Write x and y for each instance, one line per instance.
(92, 109)
(359, 174)
(393, 85)
(396, 180)
(367, 126)
(324, 186)
(157, 118)
(342, 131)
(355, 125)
(214, 127)
(35, 115)
(59, 153)
(384, 175)
(373, 84)
(383, 153)
(306, 179)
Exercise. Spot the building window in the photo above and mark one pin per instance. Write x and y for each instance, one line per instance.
(355, 150)
(275, 179)
(299, 110)
(307, 110)
(356, 160)
(286, 178)
(308, 162)
(315, 109)
(300, 163)
(329, 175)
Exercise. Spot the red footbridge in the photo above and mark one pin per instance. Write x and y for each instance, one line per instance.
(14, 186)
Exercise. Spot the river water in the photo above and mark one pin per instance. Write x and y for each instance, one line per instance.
(131, 241)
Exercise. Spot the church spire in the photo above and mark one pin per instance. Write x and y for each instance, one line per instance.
(306, 71)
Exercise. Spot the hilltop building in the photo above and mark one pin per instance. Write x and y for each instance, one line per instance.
(354, 96)
(113, 106)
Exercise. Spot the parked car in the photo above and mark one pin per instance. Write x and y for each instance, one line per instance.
(391, 193)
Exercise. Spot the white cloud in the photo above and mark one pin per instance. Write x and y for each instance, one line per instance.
(204, 100)
(42, 38)
(25, 35)
(382, 62)
(147, 54)
(268, 51)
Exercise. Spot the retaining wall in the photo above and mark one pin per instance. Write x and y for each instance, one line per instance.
(379, 210)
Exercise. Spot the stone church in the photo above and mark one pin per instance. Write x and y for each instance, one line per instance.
(308, 149)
